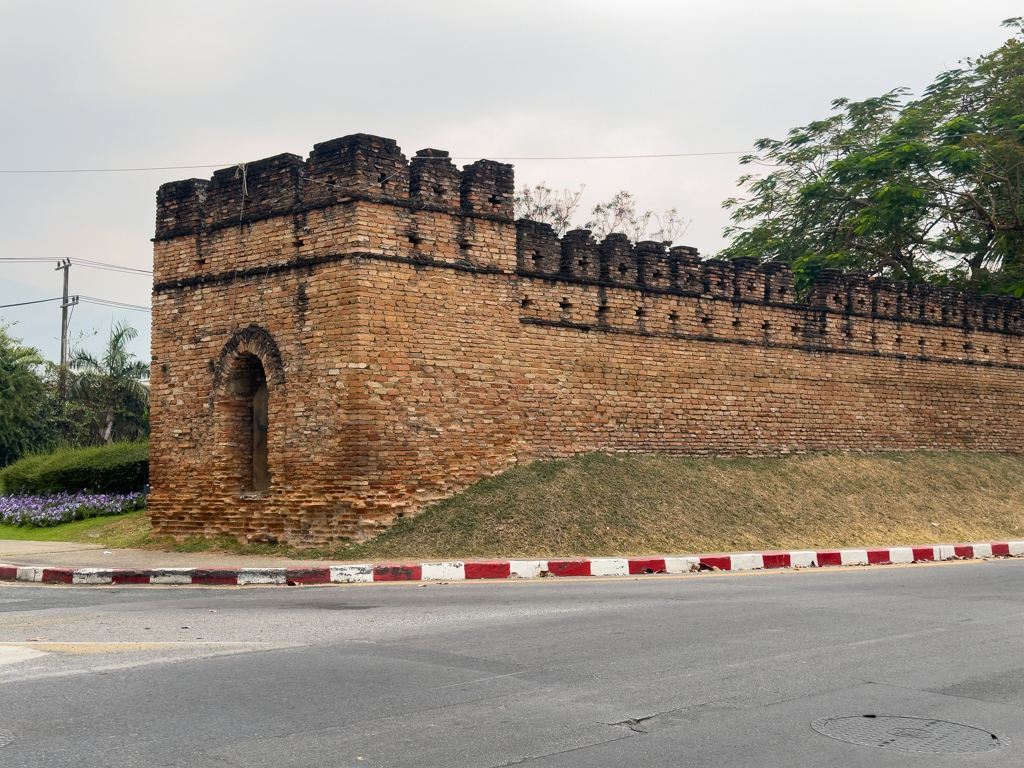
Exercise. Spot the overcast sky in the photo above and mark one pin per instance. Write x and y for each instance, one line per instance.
(129, 84)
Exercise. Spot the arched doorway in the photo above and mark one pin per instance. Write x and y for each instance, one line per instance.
(249, 422)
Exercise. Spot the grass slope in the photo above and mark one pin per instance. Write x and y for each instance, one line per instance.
(601, 505)
(642, 504)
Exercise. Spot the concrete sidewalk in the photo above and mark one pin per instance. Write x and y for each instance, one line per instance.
(67, 554)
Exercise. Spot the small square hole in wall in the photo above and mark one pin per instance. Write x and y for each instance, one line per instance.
(465, 246)
(200, 262)
(438, 191)
(766, 326)
(383, 180)
(849, 333)
(583, 264)
(1006, 351)
(920, 343)
(796, 329)
(641, 313)
(899, 340)
(943, 344)
(602, 312)
(736, 323)
(968, 346)
(838, 299)
(494, 200)
(623, 269)
(526, 302)
(874, 338)
(656, 275)
(673, 317)
(984, 350)
(415, 240)
(706, 320)
(564, 305)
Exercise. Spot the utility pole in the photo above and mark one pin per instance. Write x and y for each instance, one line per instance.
(64, 264)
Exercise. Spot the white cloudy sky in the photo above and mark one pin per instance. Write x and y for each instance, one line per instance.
(91, 84)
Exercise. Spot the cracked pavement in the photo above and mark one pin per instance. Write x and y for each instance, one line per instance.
(702, 669)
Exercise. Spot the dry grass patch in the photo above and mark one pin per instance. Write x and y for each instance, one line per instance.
(623, 504)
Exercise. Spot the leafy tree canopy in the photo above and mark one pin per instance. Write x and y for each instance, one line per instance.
(926, 189)
(25, 415)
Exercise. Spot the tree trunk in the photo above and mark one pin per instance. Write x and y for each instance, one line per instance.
(109, 429)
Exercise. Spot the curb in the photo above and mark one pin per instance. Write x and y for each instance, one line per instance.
(511, 569)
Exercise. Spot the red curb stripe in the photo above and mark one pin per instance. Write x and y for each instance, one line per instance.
(964, 551)
(777, 559)
(214, 576)
(569, 567)
(125, 576)
(494, 569)
(924, 554)
(308, 576)
(879, 556)
(8, 573)
(721, 563)
(58, 575)
(1000, 549)
(397, 573)
(647, 565)
(830, 558)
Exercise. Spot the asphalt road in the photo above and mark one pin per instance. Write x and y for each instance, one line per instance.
(698, 670)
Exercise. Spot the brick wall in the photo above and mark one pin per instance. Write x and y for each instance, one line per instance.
(412, 339)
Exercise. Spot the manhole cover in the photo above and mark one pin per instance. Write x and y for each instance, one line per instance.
(6, 737)
(910, 734)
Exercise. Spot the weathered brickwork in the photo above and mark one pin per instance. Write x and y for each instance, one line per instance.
(397, 336)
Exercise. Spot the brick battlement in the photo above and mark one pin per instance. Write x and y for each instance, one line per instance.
(339, 340)
(651, 267)
(354, 167)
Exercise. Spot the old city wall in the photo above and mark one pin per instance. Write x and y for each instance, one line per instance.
(412, 338)
(643, 349)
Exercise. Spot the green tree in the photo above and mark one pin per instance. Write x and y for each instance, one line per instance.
(25, 414)
(923, 190)
(106, 396)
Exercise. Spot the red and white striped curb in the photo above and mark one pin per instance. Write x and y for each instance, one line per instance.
(511, 569)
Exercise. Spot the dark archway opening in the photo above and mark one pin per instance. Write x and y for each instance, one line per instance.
(250, 423)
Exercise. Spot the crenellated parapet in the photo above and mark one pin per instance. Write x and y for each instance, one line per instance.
(357, 167)
(651, 267)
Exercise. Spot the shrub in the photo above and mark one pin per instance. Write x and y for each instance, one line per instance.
(118, 468)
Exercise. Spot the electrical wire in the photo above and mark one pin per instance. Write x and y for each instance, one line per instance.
(551, 157)
(114, 304)
(26, 303)
(82, 263)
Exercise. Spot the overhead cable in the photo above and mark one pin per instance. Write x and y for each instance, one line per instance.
(26, 303)
(473, 157)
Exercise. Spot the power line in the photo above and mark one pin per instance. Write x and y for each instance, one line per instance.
(26, 303)
(86, 300)
(114, 304)
(478, 157)
(82, 263)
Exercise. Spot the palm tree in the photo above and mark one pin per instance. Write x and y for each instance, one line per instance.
(110, 389)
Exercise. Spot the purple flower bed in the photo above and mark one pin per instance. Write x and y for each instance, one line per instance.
(56, 508)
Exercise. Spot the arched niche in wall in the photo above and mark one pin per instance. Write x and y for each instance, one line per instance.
(248, 378)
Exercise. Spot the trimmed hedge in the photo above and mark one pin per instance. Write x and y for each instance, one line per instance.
(118, 468)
